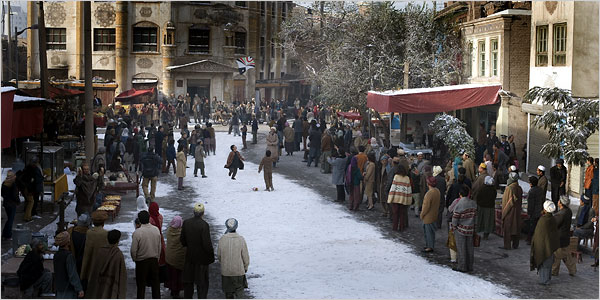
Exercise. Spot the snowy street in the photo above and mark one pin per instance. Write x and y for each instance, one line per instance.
(302, 246)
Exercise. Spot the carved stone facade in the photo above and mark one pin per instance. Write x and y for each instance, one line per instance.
(105, 15)
(222, 33)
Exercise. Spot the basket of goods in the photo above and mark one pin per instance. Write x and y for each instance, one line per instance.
(109, 209)
(22, 250)
(113, 197)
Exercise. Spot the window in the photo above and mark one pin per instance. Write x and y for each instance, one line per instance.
(469, 61)
(199, 41)
(481, 58)
(104, 39)
(56, 39)
(241, 3)
(272, 48)
(273, 9)
(283, 11)
(240, 43)
(559, 48)
(541, 45)
(261, 75)
(494, 48)
(282, 52)
(144, 39)
(272, 75)
(282, 74)
(262, 47)
(262, 8)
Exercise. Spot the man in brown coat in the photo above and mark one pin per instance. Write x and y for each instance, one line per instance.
(267, 164)
(511, 213)
(326, 147)
(542, 180)
(429, 213)
(111, 268)
(469, 165)
(95, 239)
(544, 242)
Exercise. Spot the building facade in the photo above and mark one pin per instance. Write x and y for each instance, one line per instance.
(564, 54)
(497, 52)
(177, 47)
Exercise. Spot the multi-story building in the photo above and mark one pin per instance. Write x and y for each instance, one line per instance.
(177, 47)
(564, 54)
(496, 51)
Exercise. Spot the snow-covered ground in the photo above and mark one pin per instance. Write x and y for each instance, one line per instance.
(302, 246)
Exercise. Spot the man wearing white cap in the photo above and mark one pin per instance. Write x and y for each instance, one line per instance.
(421, 163)
(545, 241)
(195, 235)
(563, 222)
(542, 180)
(232, 253)
(511, 213)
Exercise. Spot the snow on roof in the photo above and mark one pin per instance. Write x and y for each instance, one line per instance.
(521, 12)
(20, 99)
(5, 89)
(433, 89)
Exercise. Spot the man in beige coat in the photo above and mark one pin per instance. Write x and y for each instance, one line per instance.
(232, 252)
(469, 165)
(95, 239)
(429, 213)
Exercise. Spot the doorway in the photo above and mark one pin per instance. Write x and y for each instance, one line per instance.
(200, 87)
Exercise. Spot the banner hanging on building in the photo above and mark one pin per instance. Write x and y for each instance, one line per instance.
(245, 64)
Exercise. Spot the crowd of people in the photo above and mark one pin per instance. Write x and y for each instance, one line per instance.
(464, 190)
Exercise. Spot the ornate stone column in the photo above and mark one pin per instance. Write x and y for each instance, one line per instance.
(121, 64)
(169, 48)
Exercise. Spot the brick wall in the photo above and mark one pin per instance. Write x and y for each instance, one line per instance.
(519, 55)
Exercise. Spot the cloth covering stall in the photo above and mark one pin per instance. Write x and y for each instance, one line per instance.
(434, 100)
(354, 116)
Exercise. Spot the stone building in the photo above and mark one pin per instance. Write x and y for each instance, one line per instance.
(564, 54)
(177, 47)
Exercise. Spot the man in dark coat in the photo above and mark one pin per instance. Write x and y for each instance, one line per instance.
(66, 279)
(545, 241)
(34, 187)
(535, 202)
(195, 235)
(31, 272)
(150, 167)
(314, 136)
(87, 186)
(558, 178)
(159, 137)
(563, 223)
(78, 236)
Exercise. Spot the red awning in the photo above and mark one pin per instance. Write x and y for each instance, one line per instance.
(19, 122)
(129, 94)
(432, 100)
(350, 115)
(8, 94)
(54, 92)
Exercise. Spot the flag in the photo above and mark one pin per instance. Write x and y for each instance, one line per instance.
(244, 64)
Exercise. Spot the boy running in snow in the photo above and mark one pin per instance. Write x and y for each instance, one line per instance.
(267, 164)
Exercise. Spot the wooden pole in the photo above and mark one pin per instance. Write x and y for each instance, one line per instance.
(89, 93)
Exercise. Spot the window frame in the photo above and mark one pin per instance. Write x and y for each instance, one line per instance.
(199, 37)
(556, 42)
(98, 46)
(481, 58)
(239, 49)
(541, 42)
(470, 50)
(51, 44)
(494, 60)
(135, 44)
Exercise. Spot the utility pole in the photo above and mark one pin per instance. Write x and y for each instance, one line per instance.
(43, 54)
(89, 93)
(10, 42)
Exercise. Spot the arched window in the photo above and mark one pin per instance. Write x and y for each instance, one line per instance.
(145, 37)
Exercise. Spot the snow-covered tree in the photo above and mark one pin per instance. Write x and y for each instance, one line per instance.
(454, 134)
(569, 124)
